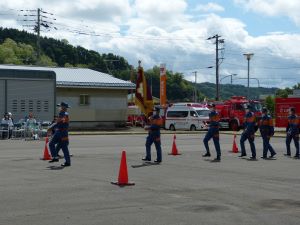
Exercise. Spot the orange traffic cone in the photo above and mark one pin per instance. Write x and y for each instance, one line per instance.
(123, 173)
(234, 146)
(47, 156)
(174, 147)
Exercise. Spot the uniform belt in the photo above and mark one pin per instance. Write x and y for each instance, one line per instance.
(62, 129)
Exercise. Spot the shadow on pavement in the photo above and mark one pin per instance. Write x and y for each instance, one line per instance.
(145, 164)
(55, 167)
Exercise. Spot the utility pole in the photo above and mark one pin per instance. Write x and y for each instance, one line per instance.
(248, 57)
(132, 80)
(195, 88)
(217, 68)
(38, 29)
(39, 20)
(217, 62)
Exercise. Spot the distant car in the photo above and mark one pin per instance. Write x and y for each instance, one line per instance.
(187, 116)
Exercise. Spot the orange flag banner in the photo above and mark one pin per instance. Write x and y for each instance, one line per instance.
(143, 95)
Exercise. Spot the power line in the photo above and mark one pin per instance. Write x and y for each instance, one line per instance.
(218, 61)
(265, 67)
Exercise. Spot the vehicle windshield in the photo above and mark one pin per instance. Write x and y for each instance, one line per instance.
(203, 113)
(256, 106)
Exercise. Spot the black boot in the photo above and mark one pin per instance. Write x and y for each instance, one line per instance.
(207, 154)
(252, 158)
(218, 159)
(146, 159)
(54, 160)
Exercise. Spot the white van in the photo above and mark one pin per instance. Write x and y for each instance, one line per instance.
(186, 116)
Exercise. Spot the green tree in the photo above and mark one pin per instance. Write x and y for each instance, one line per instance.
(46, 61)
(16, 53)
(270, 104)
(283, 93)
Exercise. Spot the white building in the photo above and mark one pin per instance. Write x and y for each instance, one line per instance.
(97, 100)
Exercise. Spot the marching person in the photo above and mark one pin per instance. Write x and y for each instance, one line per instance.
(248, 133)
(213, 132)
(58, 146)
(61, 136)
(154, 137)
(292, 132)
(53, 129)
(267, 131)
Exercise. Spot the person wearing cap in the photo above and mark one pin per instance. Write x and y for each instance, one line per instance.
(266, 129)
(8, 123)
(61, 136)
(155, 122)
(292, 133)
(248, 133)
(10, 115)
(213, 132)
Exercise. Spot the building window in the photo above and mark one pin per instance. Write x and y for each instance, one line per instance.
(46, 106)
(15, 106)
(23, 106)
(84, 100)
(38, 106)
(30, 105)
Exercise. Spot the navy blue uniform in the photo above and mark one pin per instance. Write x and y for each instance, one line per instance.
(267, 131)
(53, 129)
(61, 136)
(213, 132)
(248, 134)
(292, 133)
(154, 137)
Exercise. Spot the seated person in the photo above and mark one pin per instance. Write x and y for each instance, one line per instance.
(7, 123)
(32, 126)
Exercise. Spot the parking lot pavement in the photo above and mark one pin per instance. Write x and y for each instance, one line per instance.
(184, 189)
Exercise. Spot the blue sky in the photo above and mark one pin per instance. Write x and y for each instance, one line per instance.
(175, 32)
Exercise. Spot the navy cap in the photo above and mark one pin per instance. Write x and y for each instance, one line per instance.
(264, 109)
(213, 105)
(63, 104)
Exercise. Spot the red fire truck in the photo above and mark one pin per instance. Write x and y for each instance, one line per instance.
(232, 111)
(282, 106)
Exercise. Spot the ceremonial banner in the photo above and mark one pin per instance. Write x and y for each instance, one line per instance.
(143, 96)
(163, 85)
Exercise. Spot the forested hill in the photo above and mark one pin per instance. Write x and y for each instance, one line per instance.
(63, 54)
(19, 47)
(228, 90)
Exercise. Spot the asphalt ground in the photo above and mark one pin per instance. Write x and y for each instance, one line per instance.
(184, 189)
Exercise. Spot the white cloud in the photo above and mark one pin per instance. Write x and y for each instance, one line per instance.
(290, 8)
(167, 14)
(97, 10)
(209, 7)
(156, 31)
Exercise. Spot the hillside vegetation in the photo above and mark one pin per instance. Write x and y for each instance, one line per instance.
(19, 47)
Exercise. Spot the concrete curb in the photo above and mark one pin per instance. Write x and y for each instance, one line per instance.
(276, 135)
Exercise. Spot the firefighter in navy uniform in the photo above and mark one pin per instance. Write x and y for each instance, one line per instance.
(61, 136)
(155, 122)
(248, 133)
(292, 132)
(213, 132)
(267, 131)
